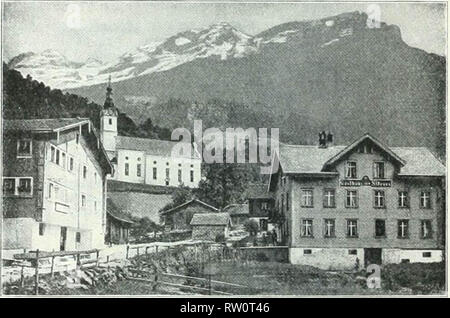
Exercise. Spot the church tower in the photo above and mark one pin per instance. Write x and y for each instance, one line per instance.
(108, 123)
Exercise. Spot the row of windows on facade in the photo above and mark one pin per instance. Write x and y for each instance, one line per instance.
(351, 199)
(65, 161)
(308, 251)
(155, 172)
(329, 228)
(57, 156)
(351, 171)
(378, 170)
(61, 194)
(42, 232)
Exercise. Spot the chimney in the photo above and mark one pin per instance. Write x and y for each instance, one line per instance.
(330, 139)
(322, 139)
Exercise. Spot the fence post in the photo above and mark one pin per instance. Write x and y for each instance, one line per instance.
(98, 258)
(156, 249)
(138, 251)
(36, 278)
(128, 248)
(52, 270)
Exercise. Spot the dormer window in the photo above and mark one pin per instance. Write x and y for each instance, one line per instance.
(350, 170)
(24, 148)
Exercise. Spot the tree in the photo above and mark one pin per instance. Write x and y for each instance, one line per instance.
(252, 227)
(143, 226)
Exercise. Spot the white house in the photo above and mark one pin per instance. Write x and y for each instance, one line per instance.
(54, 185)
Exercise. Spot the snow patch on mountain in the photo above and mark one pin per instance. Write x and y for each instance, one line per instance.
(182, 41)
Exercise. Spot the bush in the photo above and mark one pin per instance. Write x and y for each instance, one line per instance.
(421, 278)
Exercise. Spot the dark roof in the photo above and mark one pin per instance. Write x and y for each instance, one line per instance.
(140, 204)
(220, 218)
(113, 211)
(153, 146)
(44, 125)
(236, 209)
(189, 203)
(258, 191)
(299, 159)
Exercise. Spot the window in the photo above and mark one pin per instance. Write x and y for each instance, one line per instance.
(83, 200)
(63, 160)
(351, 200)
(138, 169)
(154, 173)
(84, 172)
(127, 169)
(41, 229)
(329, 227)
(425, 200)
(110, 121)
(307, 228)
(192, 175)
(70, 164)
(378, 170)
(179, 176)
(403, 229)
(379, 200)
(426, 229)
(307, 252)
(18, 186)
(24, 148)
(380, 228)
(403, 201)
(264, 206)
(352, 228)
(95, 177)
(329, 198)
(426, 254)
(57, 157)
(352, 252)
(78, 237)
(350, 172)
(9, 186)
(50, 190)
(307, 198)
(52, 154)
(167, 175)
(287, 202)
(77, 138)
(24, 186)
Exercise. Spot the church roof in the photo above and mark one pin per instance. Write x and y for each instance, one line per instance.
(154, 147)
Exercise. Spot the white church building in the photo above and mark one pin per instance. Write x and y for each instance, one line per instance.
(144, 160)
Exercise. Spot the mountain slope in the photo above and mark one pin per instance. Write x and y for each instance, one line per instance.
(334, 73)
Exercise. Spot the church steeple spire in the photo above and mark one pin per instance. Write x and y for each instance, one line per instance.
(109, 101)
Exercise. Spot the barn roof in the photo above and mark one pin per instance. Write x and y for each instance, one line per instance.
(193, 201)
(236, 209)
(220, 218)
(116, 213)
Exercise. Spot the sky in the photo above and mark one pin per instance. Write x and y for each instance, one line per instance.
(106, 30)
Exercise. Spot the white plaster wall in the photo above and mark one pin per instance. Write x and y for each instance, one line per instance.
(134, 158)
(76, 218)
(396, 256)
(327, 258)
(161, 165)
